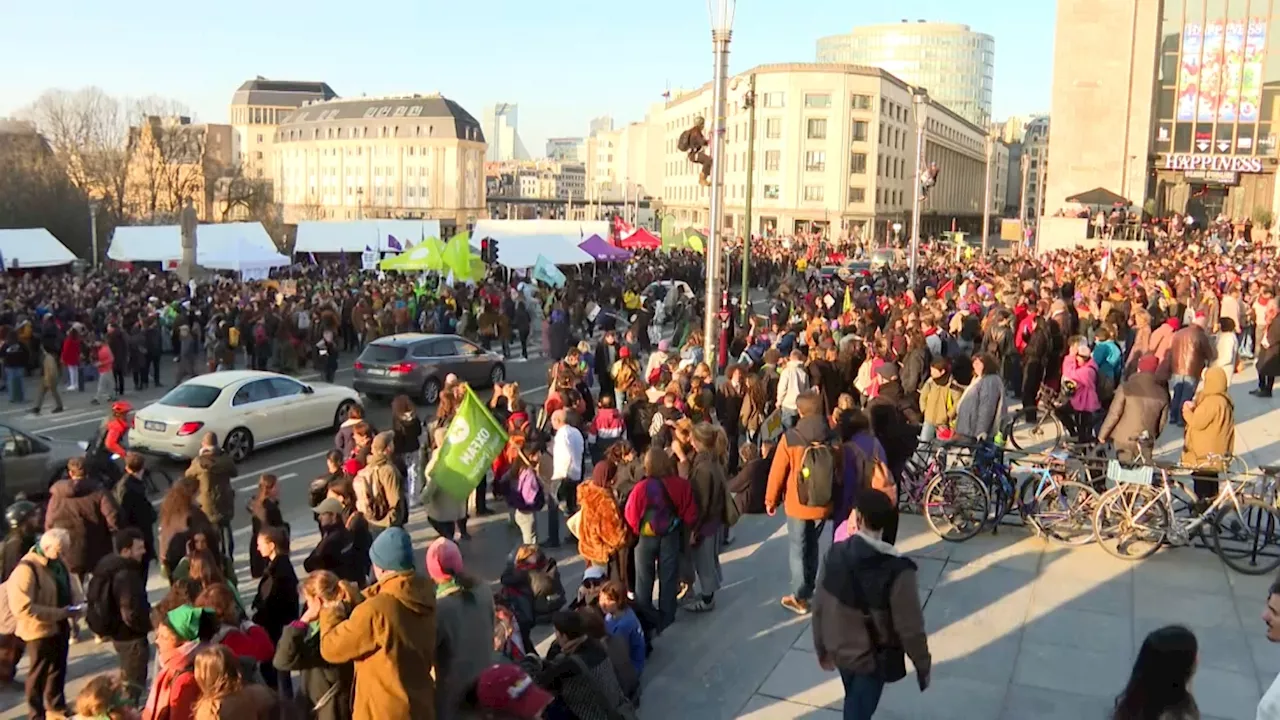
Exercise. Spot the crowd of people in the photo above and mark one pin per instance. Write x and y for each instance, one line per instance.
(645, 454)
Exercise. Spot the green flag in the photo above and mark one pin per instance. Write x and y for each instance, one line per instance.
(473, 440)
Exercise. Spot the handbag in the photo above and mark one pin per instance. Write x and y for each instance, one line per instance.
(890, 661)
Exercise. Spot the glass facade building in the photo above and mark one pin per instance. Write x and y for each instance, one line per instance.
(1217, 115)
(953, 63)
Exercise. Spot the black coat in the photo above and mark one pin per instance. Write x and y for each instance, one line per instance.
(298, 650)
(277, 602)
(1269, 358)
(262, 516)
(336, 553)
(136, 511)
(129, 586)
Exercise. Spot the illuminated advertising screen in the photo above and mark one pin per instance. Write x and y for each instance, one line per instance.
(1232, 71)
(1251, 70)
(1210, 73)
(1189, 73)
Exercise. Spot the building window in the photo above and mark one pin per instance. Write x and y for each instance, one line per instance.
(861, 102)
(773, 128)
(857, 195)
(858, 163)
(773, 99)
(815, 161)
(859, 131)
(771, 192)
(817, 129)
(817, 100)
(258, 155)
(813, 193)
(259, 137)
(772, 158)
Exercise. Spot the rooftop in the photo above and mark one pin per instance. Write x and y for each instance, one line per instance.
(344, 110)
(281, 93)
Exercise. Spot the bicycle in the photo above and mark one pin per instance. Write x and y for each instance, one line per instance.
(1135, 518)
(929, 460)
(1043, 427)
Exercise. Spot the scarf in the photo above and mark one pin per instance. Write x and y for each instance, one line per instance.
(447, 587)
(61, 578)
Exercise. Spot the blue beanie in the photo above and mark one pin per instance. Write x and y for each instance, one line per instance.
(392, 550)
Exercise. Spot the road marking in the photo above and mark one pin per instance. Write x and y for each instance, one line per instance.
(251, 487)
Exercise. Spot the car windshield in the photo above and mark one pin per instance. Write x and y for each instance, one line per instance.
(191, 395)
(383, 353)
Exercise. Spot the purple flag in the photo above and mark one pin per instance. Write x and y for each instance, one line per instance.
(393, 243)
(313, 258)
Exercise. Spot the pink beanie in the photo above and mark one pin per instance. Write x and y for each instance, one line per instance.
(444, 559)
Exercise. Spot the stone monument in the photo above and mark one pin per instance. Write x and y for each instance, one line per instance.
(188, 222)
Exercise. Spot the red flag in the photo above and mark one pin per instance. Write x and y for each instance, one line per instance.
(946, 287)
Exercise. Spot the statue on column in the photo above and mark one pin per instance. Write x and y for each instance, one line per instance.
(188, 223)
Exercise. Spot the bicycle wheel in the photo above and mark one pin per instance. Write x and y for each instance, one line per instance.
(1131, 521)
(1063, 511)
(1041, 436)
(1248, 540)
(956, 504)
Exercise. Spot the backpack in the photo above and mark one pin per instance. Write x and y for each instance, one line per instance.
(378, 506)
(102, 612)
(872, 472)
(816, 481)
(683, 143)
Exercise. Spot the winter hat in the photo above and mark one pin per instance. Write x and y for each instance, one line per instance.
(664, 345)
(624, 352)
(329, 505)
(185, 621)
(888, 371)
(392, 550)
(1148, 363)
(444, 559)
(509, 690)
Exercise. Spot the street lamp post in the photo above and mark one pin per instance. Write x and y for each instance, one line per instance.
(986, 196)
(920, 101)
(93, 230)
(751, 165)
(721, 12)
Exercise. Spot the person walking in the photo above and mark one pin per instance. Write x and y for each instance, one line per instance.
(15, 364)
(45, 597)
(406, 429)
(567, 449)
(792, 382)
(49, 375)
(104, 361)
(866, 614)
(390, 636)
(1160, 684)
(118, 609)
(806, 457)
(23, 521)
(213, 470)
(135, 508)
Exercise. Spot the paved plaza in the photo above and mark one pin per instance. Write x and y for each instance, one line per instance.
(1018, 628)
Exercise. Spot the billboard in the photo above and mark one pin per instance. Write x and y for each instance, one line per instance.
(1232, 71)
(1189, 72)
(1210, 73)
(1251, 70)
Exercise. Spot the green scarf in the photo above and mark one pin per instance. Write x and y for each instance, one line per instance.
(61, 578)
(313, 629)
(447, 587)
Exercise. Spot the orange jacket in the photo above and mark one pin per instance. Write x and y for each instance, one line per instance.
(784, 471)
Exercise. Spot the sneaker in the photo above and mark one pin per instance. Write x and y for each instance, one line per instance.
(57, 410)
(796, 605)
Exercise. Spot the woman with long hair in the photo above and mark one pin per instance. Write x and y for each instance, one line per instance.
(406, 430)
(601, 533)
(246, 639)
(658, 511)
(264, 512)
(179, 517)
(224, 694)
(446, 514)
(464, 627)
(1159, 687)
(709, 482)
(325, 688)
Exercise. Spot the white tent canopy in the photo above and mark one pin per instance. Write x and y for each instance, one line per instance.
(355, 235)
(163, 243)
(242, 256)
(32, 248)
(522, 241)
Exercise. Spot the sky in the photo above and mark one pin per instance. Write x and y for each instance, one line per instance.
(562, 61)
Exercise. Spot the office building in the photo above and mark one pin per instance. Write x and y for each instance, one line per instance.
(173, 161)
(626, 163)
(955, 64)
(835, 151)
(604, 123)
(501, 130)
(563, 148)
(416, 156)
(1035, 147)
(257, 108)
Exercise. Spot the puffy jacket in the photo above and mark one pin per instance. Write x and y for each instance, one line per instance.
(88, 514)
(1211, 425)
(1141, 404)
(213, 472)
(383, 475)
(129, 587)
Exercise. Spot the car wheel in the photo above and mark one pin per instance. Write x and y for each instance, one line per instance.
(497, 374)
(431, 391)
(340, 415)
(238, 444)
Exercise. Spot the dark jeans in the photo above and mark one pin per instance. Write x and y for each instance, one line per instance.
(47, 676)
(1266, 383)
(524, 345)
(118, 374)
(153, 363)
(228, 539)
(802, 541)
(135, 656)
(447, 529)
(658, 558)
(861, 695)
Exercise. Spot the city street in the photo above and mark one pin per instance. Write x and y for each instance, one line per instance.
(1018, 628)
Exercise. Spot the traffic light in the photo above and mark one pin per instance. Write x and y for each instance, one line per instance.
(493, 251)
(484, 250)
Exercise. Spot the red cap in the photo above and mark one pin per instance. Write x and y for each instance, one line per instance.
(624, 351)
(510, 690)
(1148, 363)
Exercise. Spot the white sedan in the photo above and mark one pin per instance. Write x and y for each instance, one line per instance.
(248, 409)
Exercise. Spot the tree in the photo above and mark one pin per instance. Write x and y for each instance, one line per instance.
(35, 192)
(240, 196)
